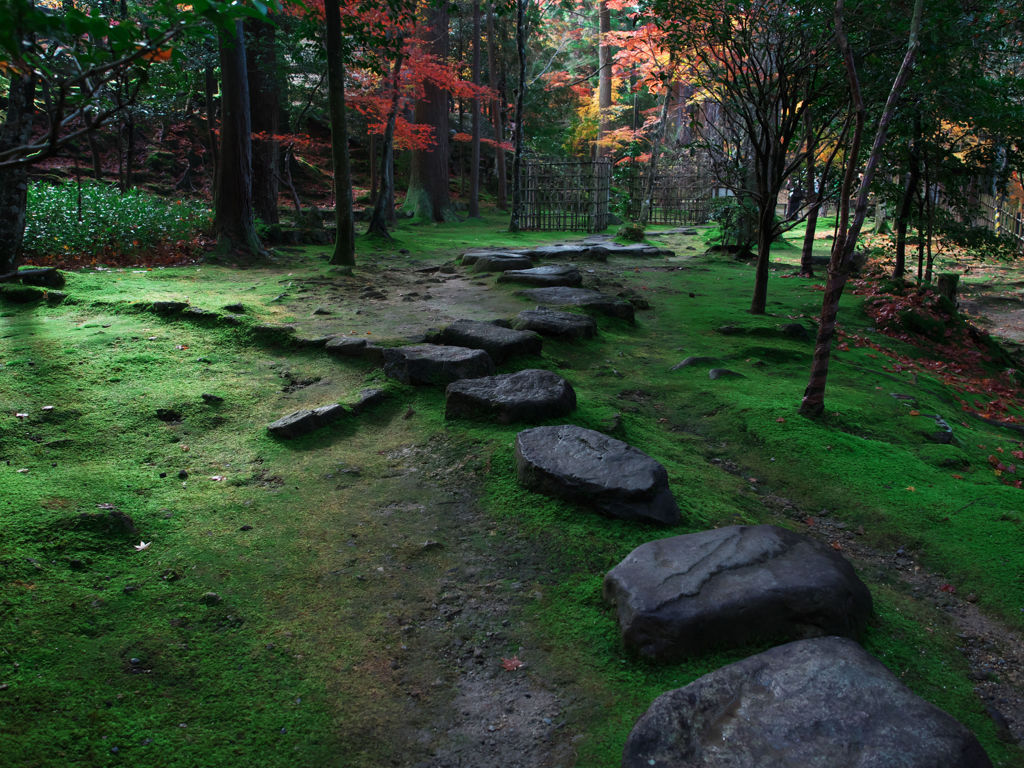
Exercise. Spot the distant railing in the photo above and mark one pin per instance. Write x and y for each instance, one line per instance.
(678, 197)
(565, 195)
(1003, 216)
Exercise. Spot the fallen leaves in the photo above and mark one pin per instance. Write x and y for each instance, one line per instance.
(512, 664)
(143, 545)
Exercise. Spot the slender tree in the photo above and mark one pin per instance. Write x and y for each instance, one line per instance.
(841, 261)
(517, 158)
(265, 105)
(474, 167)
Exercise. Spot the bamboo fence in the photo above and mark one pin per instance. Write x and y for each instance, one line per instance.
(565, 195)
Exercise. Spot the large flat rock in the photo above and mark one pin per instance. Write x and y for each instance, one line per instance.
(500, 343)
(529, 395)
(557, 324)
(727, 587)
(569, 251)
(496, 261)
(548, 275)
(436, 363)
(821, 703)
(595, 470)
(632, 249)
(593, 301)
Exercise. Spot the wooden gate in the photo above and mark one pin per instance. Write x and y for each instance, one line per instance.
(565, 195)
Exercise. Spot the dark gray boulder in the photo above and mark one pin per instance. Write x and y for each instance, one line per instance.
(821, 703)
(471, 257)
(499, 262)
(581, 297)
(549, 275)
(345, 346)
(500, 343)
(529, 395)
(551, 322)
(305, 421)
(595, 470)
(727, 587)
(436, 363)
(724, 373)
(633, 249)
(569, 251)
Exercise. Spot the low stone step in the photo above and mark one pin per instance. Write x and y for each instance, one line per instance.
(551, 322)
(595, 470)
(436, 363)
(594, 301)
(549, 275)
(528, 395)
(821, 703)
(499, 342)
(686, 595)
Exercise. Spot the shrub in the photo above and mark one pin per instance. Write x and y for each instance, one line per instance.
(113, 227)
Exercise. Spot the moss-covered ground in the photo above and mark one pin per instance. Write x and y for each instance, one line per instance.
(115, 655)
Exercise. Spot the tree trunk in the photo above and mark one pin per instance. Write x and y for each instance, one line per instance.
(765, 229)
(604, 76)
(909, 192)
(265, 107)
(427, 197)
(209, 92)
(517, 157)
(814, 197)
(233, 211)
(15, 131)
(813, 403)
(344, 238)
(500, 171)
(384, 204)
(474, 165)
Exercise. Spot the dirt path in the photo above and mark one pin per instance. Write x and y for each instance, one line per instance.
(472, 704)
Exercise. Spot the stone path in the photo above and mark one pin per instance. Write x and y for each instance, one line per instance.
(686, 595)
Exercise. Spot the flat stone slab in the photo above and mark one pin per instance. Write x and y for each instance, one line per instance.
(436, 363)
(598, 471)
(528, 395)
(822, 703)
(497, 261)
(633, 249)
(305, 421)
(345, 346)
(569, 251)
(581, 297)
(686, 595)
(471, 257)
(549, 275)
(551, 322)
(500, 343)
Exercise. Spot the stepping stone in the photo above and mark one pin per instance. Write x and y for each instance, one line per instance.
(822, 703)
(574, 251)
(686, 595)
(471, 257)
(345, 346)
(550, 275)
(529, 395)
(303, 422)
(551, 322)
(498, 261)
(581, 297)
(633, 249)
(598, 471)
(500, 343)
(436, 364)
